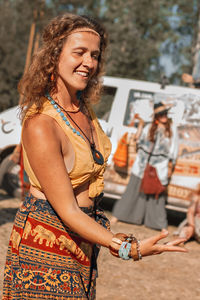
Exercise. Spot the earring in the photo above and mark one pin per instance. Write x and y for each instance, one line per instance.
(52, 77)
(156, 122)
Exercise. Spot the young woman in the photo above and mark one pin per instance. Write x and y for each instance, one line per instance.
(58, 229)
(190, 227)
(159, 139)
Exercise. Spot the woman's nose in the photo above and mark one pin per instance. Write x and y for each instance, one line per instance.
(88, 61)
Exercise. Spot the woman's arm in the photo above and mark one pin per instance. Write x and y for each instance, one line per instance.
(43, 147)
(140, 127)
(191, 210)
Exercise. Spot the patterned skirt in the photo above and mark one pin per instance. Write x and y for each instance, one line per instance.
(45, 259)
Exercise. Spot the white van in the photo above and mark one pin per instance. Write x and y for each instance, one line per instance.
(10, 131)
(121, 99)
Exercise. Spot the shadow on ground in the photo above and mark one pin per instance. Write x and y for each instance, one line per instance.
(4, 196)
(7, 215)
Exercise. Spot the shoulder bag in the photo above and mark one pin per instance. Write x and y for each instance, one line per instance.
(150, 182)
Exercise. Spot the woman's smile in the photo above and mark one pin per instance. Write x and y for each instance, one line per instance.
(83, 74)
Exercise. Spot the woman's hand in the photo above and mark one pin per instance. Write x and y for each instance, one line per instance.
(150, 246)
(187, 232)
(187, 78)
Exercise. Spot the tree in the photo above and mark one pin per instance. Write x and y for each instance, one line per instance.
(144, 31)
(140, 32)
(196, 55)
(15, 23)
(135, 37)
(180, 44)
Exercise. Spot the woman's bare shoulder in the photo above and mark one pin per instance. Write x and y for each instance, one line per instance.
(40, 127)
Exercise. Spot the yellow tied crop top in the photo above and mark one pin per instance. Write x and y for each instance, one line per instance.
(84, 170)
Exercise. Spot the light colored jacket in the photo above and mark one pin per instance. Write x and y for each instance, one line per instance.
(165, 149)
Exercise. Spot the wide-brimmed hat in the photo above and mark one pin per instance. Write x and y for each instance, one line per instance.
(160, 108)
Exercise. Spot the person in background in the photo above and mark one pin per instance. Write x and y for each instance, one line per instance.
(16, 184)
(191, 81)
(17, 157)
(135, 206)
(190, 227)
(59, 227)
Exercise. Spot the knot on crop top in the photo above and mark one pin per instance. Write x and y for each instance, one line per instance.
(84, 169)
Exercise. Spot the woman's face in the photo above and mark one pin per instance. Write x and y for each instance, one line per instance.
(78, 60)
(162, 118)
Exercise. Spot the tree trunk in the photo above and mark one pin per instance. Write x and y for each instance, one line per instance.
(196, 63)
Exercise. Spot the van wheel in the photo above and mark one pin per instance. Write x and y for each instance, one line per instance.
(9, 177)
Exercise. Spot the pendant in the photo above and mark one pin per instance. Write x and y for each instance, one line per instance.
(97, 156)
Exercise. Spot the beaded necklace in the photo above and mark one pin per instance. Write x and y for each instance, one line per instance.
(97, 156)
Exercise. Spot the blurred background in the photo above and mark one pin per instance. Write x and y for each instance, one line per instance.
(148, 39)
(156, 41)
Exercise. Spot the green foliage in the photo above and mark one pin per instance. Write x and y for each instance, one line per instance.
(15, 23)
(135, 37)
(139, 32)
(182, 37)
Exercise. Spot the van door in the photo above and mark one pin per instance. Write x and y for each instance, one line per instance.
(104, 108)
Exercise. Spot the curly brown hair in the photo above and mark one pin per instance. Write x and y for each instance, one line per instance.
(36, 81)
(153, 128)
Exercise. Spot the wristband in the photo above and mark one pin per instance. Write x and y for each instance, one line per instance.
(124, 250)
(127, 246)
(135, 250)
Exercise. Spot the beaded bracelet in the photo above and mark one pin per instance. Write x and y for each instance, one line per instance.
(129, 247)
(138, 249)
(135, 250)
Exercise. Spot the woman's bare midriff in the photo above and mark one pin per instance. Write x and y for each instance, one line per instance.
(81, 194)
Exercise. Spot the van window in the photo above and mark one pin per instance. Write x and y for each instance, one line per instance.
(139, 102)
(103, 108)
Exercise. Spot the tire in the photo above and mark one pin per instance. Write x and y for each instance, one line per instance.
(9, 177)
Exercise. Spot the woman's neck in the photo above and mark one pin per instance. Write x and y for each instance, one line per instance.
(66, 99)
(161, 125)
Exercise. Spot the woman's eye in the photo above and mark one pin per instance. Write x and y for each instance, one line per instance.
(95, 56)
(78, 53)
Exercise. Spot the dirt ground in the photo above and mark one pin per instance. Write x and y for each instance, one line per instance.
(173, 276)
